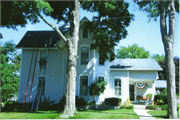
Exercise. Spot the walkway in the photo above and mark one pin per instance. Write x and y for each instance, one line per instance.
(141, 112)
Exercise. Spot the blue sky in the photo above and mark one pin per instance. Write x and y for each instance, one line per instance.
(141, 32)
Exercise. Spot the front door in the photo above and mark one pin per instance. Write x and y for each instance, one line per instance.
(131, 92)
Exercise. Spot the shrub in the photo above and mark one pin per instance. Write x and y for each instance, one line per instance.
(97, 88)
(160, 99)
(127, 107)
(79, 101)
(123, 107)
(130, 107)
(112, 101)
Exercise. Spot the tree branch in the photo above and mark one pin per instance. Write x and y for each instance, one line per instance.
(54, 28)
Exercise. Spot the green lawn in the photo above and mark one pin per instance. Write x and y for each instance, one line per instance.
(159, 114)
(88, 114)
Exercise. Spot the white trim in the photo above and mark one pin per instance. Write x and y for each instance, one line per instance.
(85, 74)
(84, 45)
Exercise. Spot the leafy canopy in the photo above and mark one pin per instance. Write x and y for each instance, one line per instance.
(109, 26)
(10, 69)
(133, 51)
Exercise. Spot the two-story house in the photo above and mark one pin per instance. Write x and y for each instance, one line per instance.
(125, 77)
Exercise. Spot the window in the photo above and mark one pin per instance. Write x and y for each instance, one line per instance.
(84, 55)
(117, 87)
(85, 34)
(40, 80)
(101, 62)
(84, 85)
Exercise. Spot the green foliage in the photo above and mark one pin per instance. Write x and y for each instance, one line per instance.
(97, 88)
(112, 101)
(10, 69)
(158, 57)
(133, 51)
(109, 25)
(160, 99)
(149, 96)
(152, 8)
(79, 101)
(162, 74)
(127, 107)
(18, 13)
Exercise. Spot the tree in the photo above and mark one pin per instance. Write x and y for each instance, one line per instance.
(97, 88)
(108, 26)
(133, 51)
(162, 74)
(158, 57)
(165, 9)
(10, 69)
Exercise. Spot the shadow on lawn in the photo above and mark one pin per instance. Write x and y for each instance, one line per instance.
(17, 107)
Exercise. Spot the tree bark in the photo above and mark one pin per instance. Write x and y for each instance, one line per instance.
(168, 41)
(72, 42)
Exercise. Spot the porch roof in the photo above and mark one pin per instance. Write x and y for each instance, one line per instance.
(135, 64)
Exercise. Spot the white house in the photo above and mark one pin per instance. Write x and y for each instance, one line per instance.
(125, 77)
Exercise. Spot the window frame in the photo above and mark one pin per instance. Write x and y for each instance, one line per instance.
(81, 54)
(115, 78)
(84, 75)
(83, 34)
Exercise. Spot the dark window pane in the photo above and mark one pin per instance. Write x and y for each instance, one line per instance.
(101, 62)
(84, 55)
(101, 78)
(84, 85)
(85, 34)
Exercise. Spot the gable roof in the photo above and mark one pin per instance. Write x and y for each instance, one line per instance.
(38, 38)
(134, 64)
(160, 84)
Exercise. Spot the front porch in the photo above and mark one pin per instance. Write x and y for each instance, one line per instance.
(139, 89)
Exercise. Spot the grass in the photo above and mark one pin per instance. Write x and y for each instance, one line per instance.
(160, 114)
(88, 114)
(14, 111)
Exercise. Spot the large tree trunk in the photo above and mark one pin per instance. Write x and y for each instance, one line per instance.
(70, 107)
(168, 41)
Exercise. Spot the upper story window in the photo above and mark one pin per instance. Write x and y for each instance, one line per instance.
(85, 34)
(101, 62)
(84, 55)
(117, 87)
(84, 85)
